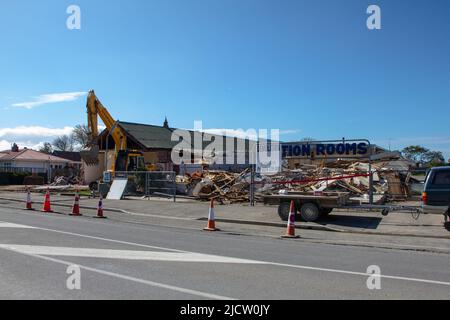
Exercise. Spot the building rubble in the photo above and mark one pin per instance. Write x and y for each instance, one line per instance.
(392, 181)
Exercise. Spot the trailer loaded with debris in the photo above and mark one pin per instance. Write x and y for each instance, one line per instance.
(353, 178)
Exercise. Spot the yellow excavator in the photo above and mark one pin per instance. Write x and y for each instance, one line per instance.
(124, 159)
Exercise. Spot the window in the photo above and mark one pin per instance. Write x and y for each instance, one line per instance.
(442, 178)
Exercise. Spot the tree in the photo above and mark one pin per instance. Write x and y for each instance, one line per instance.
(434, 158)
(423, 156)
(81, 135)
(415, 153)
(63, 143)
(46, 148)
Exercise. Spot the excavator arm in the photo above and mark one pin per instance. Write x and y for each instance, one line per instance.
(96, 109)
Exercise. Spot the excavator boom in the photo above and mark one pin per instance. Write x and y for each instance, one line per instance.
(96, 109)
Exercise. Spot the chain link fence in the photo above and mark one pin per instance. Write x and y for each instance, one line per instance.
(147, 183)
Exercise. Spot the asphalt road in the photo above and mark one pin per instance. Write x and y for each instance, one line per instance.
(127, 261)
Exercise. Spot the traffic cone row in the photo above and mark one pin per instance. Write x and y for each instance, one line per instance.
(211, 226)
(290, 231)
(47, 207)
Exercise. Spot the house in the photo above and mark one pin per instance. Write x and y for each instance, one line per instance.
(28, 160)
(157, 143)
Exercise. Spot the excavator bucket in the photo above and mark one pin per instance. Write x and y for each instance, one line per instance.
(90, 156)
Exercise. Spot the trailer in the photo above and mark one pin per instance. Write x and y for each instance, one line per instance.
(312, 206)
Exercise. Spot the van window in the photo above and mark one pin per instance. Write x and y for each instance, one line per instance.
(442, 178)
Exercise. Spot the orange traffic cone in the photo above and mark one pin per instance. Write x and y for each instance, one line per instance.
(29, 202)
(76, 206)
(47, 206)
(100, 209)
(290, 232)
(211, 218)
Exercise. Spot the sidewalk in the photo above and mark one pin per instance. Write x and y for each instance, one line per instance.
(396, 223)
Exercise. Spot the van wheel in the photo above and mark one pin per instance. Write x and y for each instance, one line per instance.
(283, 210)
(310, 212)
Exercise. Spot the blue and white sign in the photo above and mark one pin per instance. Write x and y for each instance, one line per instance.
(324, 150)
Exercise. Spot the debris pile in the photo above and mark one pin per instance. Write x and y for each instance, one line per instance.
(65, 181)
(220, 185)
(342, 176)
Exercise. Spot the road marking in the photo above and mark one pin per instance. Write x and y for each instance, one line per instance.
(129, 278)
(13, 225)
(262, 262)
(381, 245)
(358, 273)
(124, 254)
(104, 239)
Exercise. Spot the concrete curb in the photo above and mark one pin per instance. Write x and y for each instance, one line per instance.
(275, 224)
(309, 226)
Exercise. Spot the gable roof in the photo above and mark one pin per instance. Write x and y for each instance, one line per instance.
(29, 155)
(149, 136)
(157, 137)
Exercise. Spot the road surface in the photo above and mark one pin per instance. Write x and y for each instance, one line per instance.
(40, 254)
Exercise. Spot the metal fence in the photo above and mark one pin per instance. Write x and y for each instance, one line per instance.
(161, 183)
(395, 184)
(22, 170)
(149, 183)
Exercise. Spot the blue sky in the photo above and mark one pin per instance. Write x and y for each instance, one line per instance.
(309, 68)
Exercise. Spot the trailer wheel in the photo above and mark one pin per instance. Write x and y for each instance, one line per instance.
(93, 186)
(447, 225)
(310, 212)
(283, 210)
(325, 211)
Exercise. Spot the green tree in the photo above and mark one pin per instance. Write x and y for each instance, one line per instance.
(415, 153)
(434, 158)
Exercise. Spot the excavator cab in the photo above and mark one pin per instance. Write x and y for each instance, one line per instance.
(129, 161)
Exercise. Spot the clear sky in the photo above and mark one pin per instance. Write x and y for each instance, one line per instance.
(310, 68)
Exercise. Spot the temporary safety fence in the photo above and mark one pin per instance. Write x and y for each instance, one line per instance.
(149, 183)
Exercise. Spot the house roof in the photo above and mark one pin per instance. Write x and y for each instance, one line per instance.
(29, 155)
(150, 136)
(157, 137)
